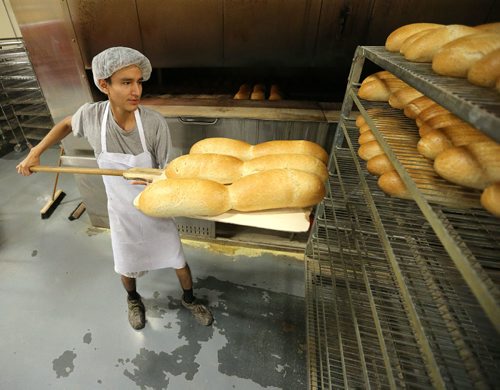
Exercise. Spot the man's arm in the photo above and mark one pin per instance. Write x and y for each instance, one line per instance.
(55, 135)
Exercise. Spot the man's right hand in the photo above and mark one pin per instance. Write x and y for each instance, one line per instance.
(32, 159)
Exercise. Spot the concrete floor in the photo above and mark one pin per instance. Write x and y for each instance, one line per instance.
(64, 317)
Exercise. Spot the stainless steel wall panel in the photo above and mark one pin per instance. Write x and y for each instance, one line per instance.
(101, 24)
(182, 33)
(54, 53)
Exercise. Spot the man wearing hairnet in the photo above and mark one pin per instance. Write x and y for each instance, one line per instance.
(125, 135)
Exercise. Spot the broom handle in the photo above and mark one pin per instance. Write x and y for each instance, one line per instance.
(61, 152)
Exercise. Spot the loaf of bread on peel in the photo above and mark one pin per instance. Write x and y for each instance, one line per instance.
(485, 71)
(244, 92)
(415, 107)
(227, 169)
(273, 189)
(457, 57)
(379, 90)
(379, 165)
(490, 199)
(217, 167)
(424, 48)
(438, 140)
(397, 37)
(475, 165)
(183, 197)
(245, 151)
(489, 27)
(400, 98)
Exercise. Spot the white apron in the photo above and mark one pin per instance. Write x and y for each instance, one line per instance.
(140, 243)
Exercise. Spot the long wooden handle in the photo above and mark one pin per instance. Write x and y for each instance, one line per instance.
(86, 171)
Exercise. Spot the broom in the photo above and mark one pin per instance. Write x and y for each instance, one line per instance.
(57, 195)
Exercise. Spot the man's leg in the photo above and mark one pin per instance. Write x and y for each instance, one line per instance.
(136, 309)
(200, 312)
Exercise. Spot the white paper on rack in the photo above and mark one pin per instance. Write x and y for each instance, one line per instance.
(287, 220)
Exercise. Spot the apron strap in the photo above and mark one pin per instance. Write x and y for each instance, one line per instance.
(104, 147)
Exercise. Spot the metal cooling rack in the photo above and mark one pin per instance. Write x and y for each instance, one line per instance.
(387, 306)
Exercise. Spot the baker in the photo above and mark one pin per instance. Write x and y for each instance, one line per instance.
(124, 135)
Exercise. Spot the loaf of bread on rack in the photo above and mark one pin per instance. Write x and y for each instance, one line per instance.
(489, 27)
(402, 97)
(369, 150)
(415, 107)
(490, 199)
(379, 90)
(476, 165)
(457, 57)
(485, 71)
(440, 121)
(366, 137)
(245, 151)
(431, 112)
(273, 189)
(438, 140)
(379, 165)
(227, 169)
(412, 38)
(397, 37)
(392, 184)
(424, 48)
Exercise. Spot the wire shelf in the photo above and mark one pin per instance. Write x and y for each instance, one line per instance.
(387, 305)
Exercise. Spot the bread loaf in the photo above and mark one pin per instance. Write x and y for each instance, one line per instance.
(360, 121)
(382, 75)
(379, 90)
(490, 199)
(415, 107)
(244, 92)
(217, 167)
(365, 137)
(275, 189)
(245, 151)
(440, 121)
(485, 71)
(456, 58)
(364, 128)
(275, 93)
(379, 165)
(411, 39)
(393, 185)
(490, 27)
(370, 150)
(438, 140)
(183, 197)
(476, 165)
(429, 113)
(424, 48)
(400, 98)
(279, 188)
(397, 37)
(259, 92)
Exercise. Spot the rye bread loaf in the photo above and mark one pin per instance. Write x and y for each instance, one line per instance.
(424, 48)
(397, 37)
(485, 71)
(273, 189)
(245, 151)
(490, 199)
(227, 169)
(457, 57)
(475, 165)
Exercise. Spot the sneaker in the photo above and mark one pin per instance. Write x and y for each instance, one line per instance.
(200, 312)
(136, 313)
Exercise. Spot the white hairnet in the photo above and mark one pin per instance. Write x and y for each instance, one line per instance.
(113, 59)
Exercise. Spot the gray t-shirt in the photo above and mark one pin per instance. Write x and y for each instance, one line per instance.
(86, 122)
